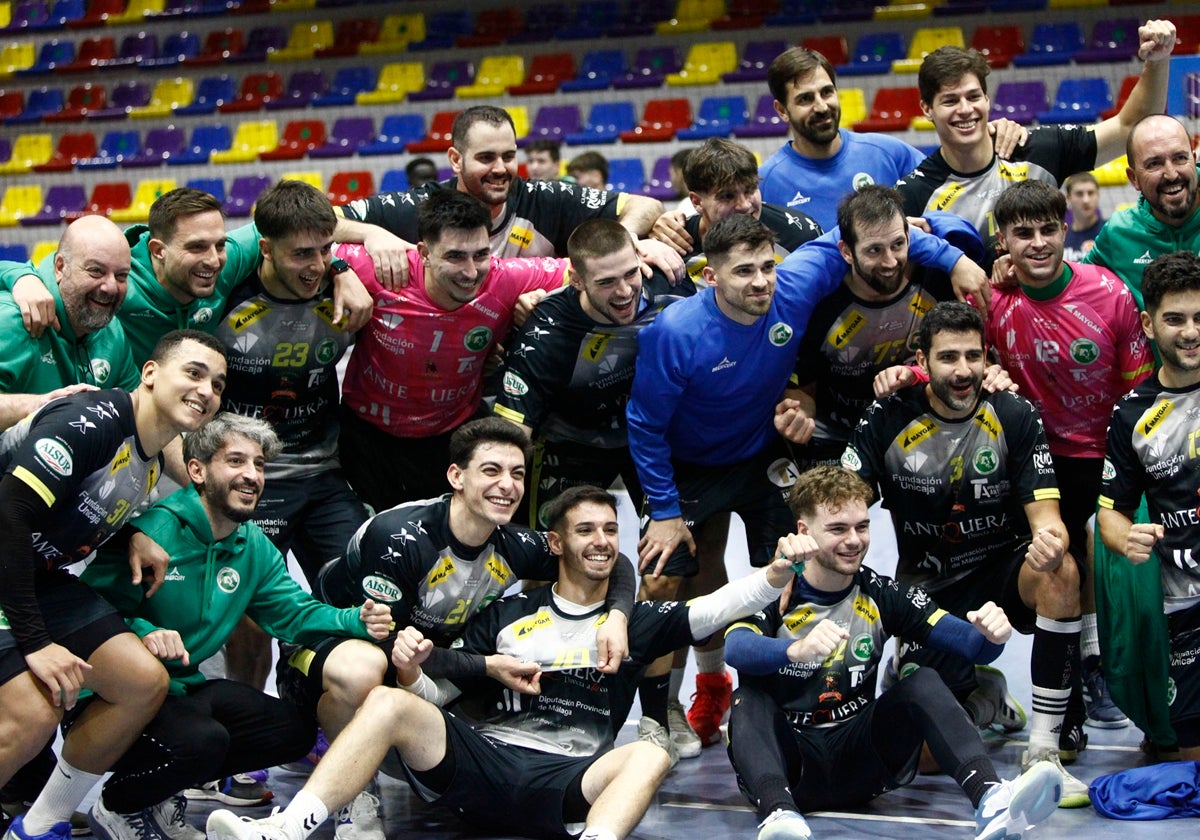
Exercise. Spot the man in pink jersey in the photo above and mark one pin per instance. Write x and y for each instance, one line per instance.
(416, 373)
(1069, 334)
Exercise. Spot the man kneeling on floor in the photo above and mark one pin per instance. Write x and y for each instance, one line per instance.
(806, 731)
(543, 762)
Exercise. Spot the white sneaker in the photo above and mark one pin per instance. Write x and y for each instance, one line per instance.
(784, 825)
(991, 705)
(360, 820)
(1011, 808)
(171, 816)
(649, 729)
(1074, 792)
(110, 825)
(226, 825)
(686, 741)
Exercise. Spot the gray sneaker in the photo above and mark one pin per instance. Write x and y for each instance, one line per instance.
(110, 825)
(651, 730)
(1102, 712)
(784, 825)
(686, 741)
(990, 704)
(171, 816)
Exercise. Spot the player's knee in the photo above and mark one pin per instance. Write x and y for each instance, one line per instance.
(1060, 590)
(352, 670)
(652, 761)
(386, 704)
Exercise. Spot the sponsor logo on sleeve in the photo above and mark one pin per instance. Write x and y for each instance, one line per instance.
(55, 456)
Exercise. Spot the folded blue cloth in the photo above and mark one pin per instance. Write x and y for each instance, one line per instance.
(1159, 792)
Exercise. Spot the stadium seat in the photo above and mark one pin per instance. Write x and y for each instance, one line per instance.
(443, 28)
(145, 194)
(692, 16)
(605, 123)
(345, 187)
(756, 58)
(28, 150)
(122, 99)
(962, 7)
(303, 42)
(114, 147)
(847, 10)
(176, 48)
(12, 104)
(873, 53)
(650, 68)
(546, 73)
(659, 185)
(639, 18)
(54, 55)
(660, 120)
(764, 122)
(1078, 101)
(168, 95)
(396, 81)
(795, 13)
(97, 14)
(893, 109)
(833, 47)
(627, 175)
(135, 49)
(903, 10)
(42, 101)
(93, 53)
(553, 122)
(1020, 102)
(72, 147)
(495, 75)
(1187, 34)
(213, 186)
(308, 176)
(43, 249)
(299, 138)
(15, 57)
(134, 14)
(443, 79)
(81, 100)
(206, 139)
(1051, 43)
(19, 201)
(260, 43)
(346, 85)
(999, 44)
(1076, 4)
(161, 144)
(250, 141)
(395, 34)
(220, 46)
(492, 28)
(14, 252)
(596, 71)
(705, 64)
(211, 92)
(24, 16)
(854, 106)
(105, 198)
(589, 18)
(394, 180)
(717, 116)
(1112, 41)
(1127, 86)
(350, 35)
(61, 201)
(346, 137)
(743, 14)
(396, 132)
(923, 43)
(292, 5)
(520, 117)
(437, 139)
(541, 22)
(5, 149)
(257, 89)
(1112, 174)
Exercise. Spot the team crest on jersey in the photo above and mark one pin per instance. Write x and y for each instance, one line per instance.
(1172, 691)
(514, 385)
(55, 456)
(381, 588)
(862, 647)
(203, 315)
(477, 339)
(850, 459)
(1108, 472)
(987, 460)
(538, 621)
(228, 580)
(327, 351)
(861, 179)
(780, 334)
(101, 370)
(1084, 351)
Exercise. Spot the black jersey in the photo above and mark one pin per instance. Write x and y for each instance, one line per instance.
(283, 357)
(956, 489)
(1050, 154)
(580, 709)
(791, 228)
(538, 217)
(1152, 449)
(81, 454)
(568, 377)
(872, 610)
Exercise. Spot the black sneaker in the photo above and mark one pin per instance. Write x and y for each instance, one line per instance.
(1071, 741)
(1102, 712)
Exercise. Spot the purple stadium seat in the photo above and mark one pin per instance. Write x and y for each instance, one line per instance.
(61, 200)
(717, 116)
(41, 101)
(123, 98)
(346, 137)
(1051, 43)
(302, 87)
(650, 68)
(211, 91)
(260, 41)
(553, 122)
(5, 149)
(765, 122)
(874, 53)
(243, 192)
(28, 15)
(347, 83)
(114, 148)
(605, 122)
(1078, 101)
(176, 48)
(847, 10)
(135, 49)
(1112, 41)
(756, 58)
(590, 17)
(443, 78)
(160, 145)
(659, 184)
(640, 18)
(1021, 102)
(596, 71)
(541, 22)
(206, 139)
(397, 131)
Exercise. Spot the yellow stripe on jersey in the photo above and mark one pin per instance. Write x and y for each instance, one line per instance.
(742, 625)
(302, 660)
(1046, 493)
(35, 484)
(508, 414)
(1106, 502)
(936, 617)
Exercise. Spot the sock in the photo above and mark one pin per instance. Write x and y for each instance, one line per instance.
(652, 691)
(1055, 648)
(1090, 636)
(710, 661)
(772, 794)
(597, 834)
(976, 776)
(61, 795)
(675, 685)
(305, 813)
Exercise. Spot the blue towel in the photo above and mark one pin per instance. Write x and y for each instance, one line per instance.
(1159, 792)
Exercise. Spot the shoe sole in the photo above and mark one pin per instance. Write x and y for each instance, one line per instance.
(1032, 803)
(220, 826)
(200, 795)
(97, 829)
(689, 750)
(1097, 723)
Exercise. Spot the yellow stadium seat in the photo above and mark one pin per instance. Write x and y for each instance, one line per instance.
(313, 179)
(496, 74)
(292, 5)
(854, 106)
(902, 10)
(692, 16)
(19, 201)
(520, 118)
(1112, 174)
(705, 64)
(29, 151)
(396, 81)
(921, 124)
(396, 33)
(1076, 4)
(168, 95)
(926, 41)
(16, 56)
(136, 12)
(147, 193)
(304, 40)
(43, 249)
(5, 14)
(250, 141)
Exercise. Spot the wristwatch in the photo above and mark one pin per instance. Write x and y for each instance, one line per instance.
(338, 266)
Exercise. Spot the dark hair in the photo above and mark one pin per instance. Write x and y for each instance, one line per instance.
(680, 158)
(293, 207)
(413, 170)
(466, 120)
(1079, 178)
(471, 435)
(945, 66)
(719, 163)
(1029, 201)
(736, 229)
(204, 443)
(170, 207)
(790, 65)
(872, 205)
(596, 238)
(545, 145)
(170, 342)
(588, 162)
(555, 512)
(829, 486)
(450, 210)
(1169, 274)
(949, 316)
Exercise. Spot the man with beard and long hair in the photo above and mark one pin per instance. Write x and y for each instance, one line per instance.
(969, 482)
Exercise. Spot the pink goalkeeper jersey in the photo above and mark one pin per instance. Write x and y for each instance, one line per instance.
(417, 369)
(1073, 355)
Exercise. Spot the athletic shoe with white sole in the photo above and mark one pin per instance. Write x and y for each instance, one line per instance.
(991, 706)
(171, 816)
(1074, 792)
(687, 742)
(78, 821)
(111, 825)
(16, 831)
(226, 825)
(360, 820)
(240, 789)
(784, 825)
(648, 729)
(1014, 806)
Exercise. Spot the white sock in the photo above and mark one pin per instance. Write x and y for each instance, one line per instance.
(305, 813)
(59, 798)
(597, 834)
(1089, 637)
(1049, 707)
(711, 661)
(675, 685)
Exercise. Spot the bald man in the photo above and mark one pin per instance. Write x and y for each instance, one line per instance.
(88, 347)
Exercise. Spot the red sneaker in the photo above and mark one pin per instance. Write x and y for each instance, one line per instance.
(710, 705)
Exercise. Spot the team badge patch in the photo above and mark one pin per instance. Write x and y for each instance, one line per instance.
(1084, 351)
(780, 334)
(986, 460)
(477, 339)
(101, 370)
(228, 580)
(327, 351)
(863, 647)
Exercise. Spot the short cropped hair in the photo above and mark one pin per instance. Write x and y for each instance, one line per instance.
(544, 145)
(589, 162)
(1169, 274)
(718, 163)
(557, 508)
(791, 65)
(470, 436)
(170, 207)
(949, 316)
(596, 238)
(945, 66)
(468, 119)
(872, 205)
(829, 486)
(292, 207)
(1079, 178)
(204, 443)
(450, 210)
(736, 229)
(171, 341)
(1029, 201)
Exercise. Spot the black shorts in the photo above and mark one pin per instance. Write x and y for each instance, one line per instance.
(559, 466)
(300, 672)
(75, 616)
(313, 516)
(1183, 688)
(997, 581)
(507, 789)
(755, 489)
(1079, 485)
